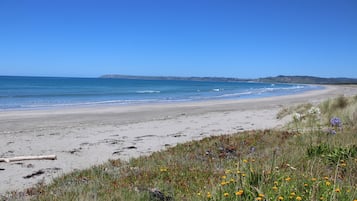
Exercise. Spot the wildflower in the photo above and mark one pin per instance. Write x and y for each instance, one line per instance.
(280, 198)
(297, 116)
(199, 193)
(243, 175)
(224, 177)
(292, 194)
(337, 190)
(245, 161)
(306, 185)
(275, 183)
(328, 183)
(287, 179)
(223, 183)
(258, 198)
(232, 180)
(298, 198)
(227, 171)
(163, 169)
(261, 195)
(326, 178)
(314, 111)
(313, 179)
(336, 122)
(209, 195)
(226, 194)
(239, 193)
(322, 198)
(275, 188)
(343, 164)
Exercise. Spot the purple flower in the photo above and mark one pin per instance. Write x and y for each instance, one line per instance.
(336, 122)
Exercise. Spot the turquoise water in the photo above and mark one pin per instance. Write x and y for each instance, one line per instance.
(48, 92)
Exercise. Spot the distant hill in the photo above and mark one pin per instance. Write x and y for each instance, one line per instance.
(277, 79)
(220, 79)
(307, 80)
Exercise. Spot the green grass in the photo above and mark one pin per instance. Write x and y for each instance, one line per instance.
(300, 162)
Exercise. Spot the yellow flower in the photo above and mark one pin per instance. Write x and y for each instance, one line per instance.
(313, 179)
(298, 198)
(243, 175)
(239, 193)
(337, 190)
(245, 161)
(287, 179)
(292, 194)
(199, 193)
(224, 177)
(258, 198)
(275, 183)
(223, 183)
(226, 194)
(322, 198)
(280, 198)
(275, 188)
(343, 164)
(209, 195)
(227, 171)
(261, 195)
(328, 183)
(231, 180)
(326, 178)
(163, 169)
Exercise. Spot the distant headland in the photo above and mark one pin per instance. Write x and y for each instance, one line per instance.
(276, 79)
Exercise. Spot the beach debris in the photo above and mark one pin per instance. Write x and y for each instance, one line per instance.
(39, 172)
(73, 151)
(131, 147)
(23, 158)
(117, 152)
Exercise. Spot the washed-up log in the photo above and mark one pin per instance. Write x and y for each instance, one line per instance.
(23, 158)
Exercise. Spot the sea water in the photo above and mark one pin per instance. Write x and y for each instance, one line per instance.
(48, 92)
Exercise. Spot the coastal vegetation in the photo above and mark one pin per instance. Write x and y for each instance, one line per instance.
(314, 157)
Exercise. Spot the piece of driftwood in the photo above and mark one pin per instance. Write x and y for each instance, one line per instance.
(23, 158)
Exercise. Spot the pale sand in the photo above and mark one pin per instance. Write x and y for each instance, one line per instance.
(82, 137)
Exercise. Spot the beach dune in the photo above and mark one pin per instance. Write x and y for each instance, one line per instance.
(85, 136)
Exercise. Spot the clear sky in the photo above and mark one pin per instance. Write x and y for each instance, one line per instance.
(230, 38)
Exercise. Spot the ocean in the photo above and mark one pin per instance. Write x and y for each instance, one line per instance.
(18, 93)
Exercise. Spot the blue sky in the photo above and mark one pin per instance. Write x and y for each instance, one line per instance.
(230, 38)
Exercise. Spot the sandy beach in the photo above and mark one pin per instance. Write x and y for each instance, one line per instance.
(86, 136)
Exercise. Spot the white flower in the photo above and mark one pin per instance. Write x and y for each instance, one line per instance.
(314, 111)
(297, 116)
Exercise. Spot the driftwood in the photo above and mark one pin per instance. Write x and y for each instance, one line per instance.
(23, 158)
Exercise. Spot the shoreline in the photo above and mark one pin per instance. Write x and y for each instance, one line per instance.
(85, 136)
(232, 96)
